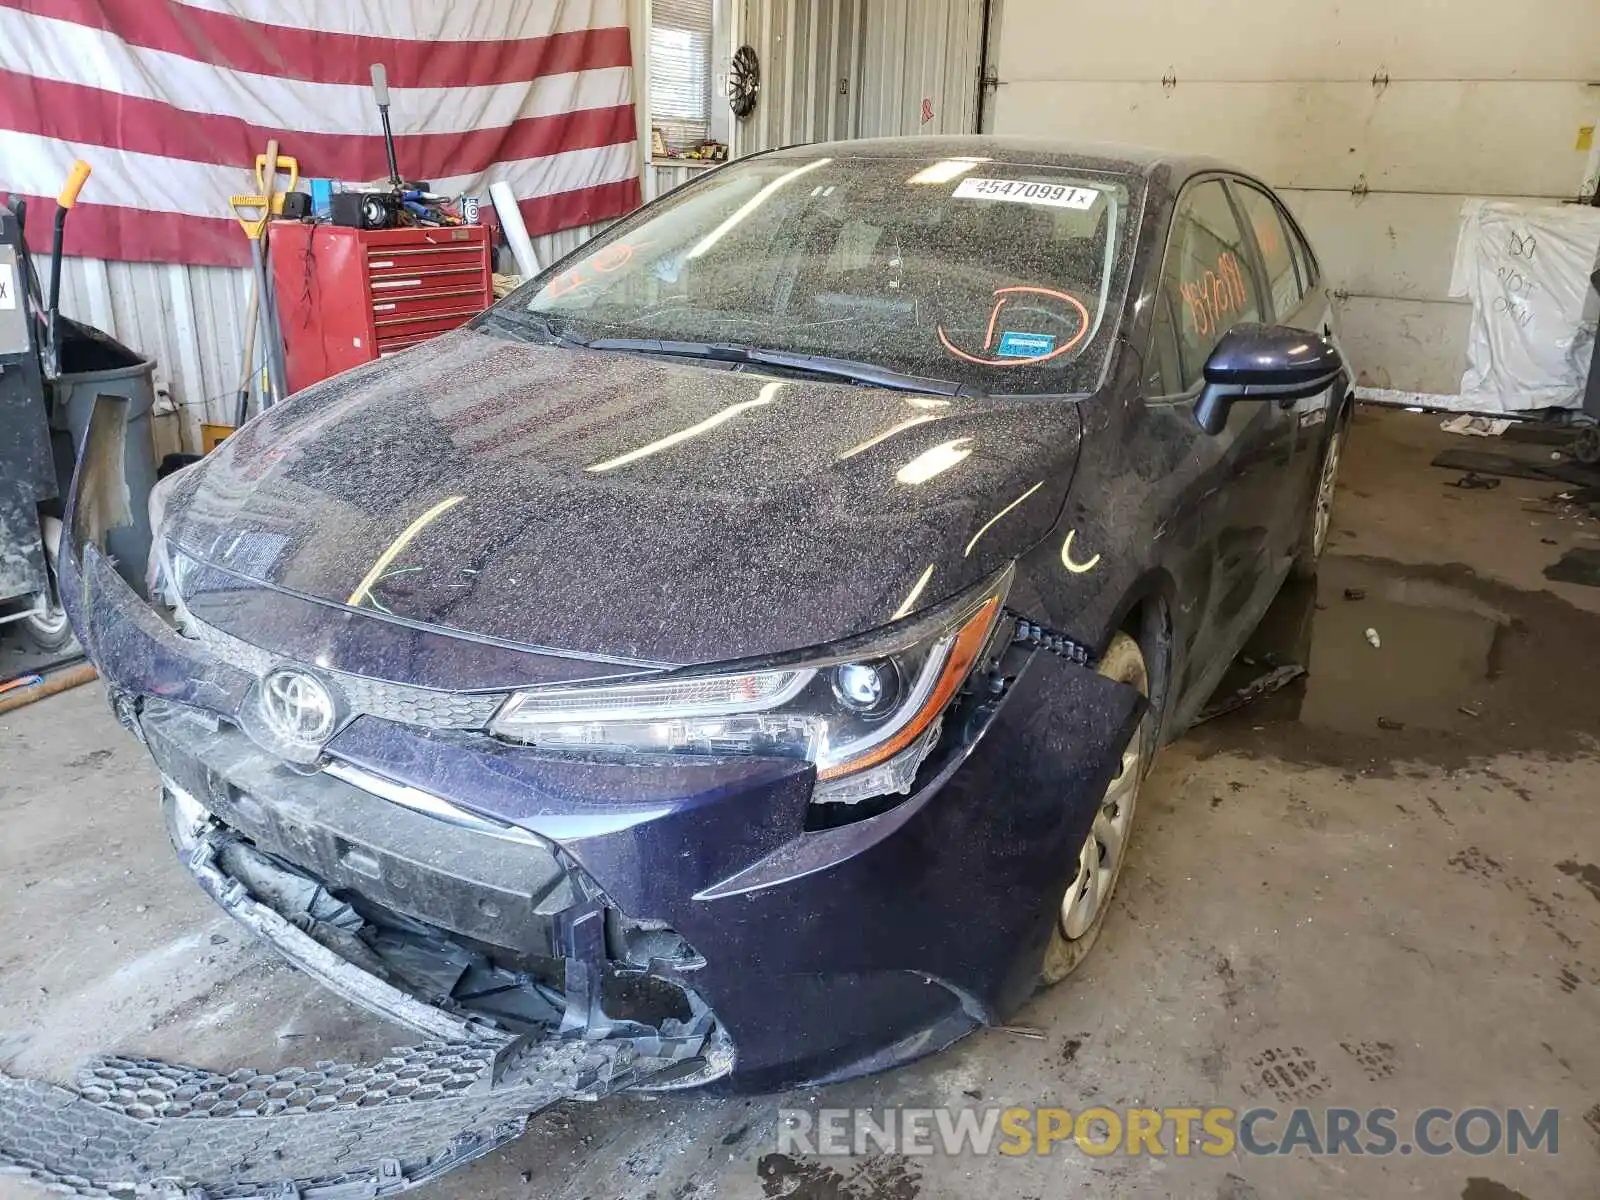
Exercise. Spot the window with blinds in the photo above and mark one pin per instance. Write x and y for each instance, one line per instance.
(680, 71)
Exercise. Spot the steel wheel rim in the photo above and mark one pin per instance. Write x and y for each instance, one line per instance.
(1102, 851)
(50, 622)
(1326, 487)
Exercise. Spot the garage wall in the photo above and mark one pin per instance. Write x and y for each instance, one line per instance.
(1376, 118)
(889, 56)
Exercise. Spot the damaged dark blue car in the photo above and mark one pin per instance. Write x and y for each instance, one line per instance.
(747, 640)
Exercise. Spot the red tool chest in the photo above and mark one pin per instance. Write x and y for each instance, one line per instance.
(347, 296)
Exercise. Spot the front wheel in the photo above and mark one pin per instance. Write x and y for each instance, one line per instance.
(1083, 909)
(1314, 538)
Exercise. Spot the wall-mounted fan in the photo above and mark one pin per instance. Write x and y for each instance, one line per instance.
(744, 81)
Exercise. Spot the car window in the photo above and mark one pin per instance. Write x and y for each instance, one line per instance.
(1006, 278)
(1163, 373)
(1206, 279)
(1275, 242)
(1305, 261)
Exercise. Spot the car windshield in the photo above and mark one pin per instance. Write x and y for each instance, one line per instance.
(988, 276)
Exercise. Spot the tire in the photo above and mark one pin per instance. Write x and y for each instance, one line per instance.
(1586, 446)
(1081, 915)
(46, 632)
(1319, 518)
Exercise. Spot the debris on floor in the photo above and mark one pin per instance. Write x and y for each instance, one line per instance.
(1550, 469)
(1476, 426)
(1583, 501)
(43, 680)
(1276, 678)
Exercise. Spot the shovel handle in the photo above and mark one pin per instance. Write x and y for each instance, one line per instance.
(75, 181)
(282, 162)
(251, 212)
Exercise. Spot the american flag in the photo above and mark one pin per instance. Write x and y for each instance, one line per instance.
(170, 101)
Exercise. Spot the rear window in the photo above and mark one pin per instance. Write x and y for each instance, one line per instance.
(1002, 277)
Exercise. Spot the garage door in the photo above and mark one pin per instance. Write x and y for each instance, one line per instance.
(1375, 118)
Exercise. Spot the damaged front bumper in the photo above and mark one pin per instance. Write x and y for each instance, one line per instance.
(439, 926)
(692, 902)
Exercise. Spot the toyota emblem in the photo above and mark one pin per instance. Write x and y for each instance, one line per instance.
(298, 707)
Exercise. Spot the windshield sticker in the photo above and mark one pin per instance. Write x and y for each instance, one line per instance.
(1056, 195)
(1025, 345)
(1018, 356)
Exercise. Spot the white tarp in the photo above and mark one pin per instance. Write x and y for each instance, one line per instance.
(1526, 268)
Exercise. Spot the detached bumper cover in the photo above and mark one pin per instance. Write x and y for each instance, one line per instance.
(338, 1131)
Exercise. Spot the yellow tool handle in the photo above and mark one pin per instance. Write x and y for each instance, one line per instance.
(74, 185)
(277, 162)
(254, 223)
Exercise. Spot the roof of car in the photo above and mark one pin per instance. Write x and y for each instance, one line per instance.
(1050, 152)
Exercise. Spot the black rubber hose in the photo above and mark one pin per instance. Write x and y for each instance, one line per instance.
(55, 289)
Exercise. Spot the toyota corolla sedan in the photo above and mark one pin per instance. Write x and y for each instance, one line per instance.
(745, 641)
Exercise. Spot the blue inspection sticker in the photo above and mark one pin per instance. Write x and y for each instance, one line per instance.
(1026, 345)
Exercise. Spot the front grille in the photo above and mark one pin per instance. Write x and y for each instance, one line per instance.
(430, 708)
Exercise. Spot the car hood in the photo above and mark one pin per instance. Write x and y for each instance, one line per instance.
(624, 506)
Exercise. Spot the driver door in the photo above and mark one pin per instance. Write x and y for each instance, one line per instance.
(1289, 281)
(1235, 527)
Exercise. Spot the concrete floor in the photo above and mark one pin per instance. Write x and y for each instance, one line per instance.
(1407, 914)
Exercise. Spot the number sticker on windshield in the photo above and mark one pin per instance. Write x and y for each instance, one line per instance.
(1057, 195)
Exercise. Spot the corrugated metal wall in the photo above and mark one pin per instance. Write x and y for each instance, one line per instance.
(859, 68)
(190, 320)
(918, 50)
(662, 177)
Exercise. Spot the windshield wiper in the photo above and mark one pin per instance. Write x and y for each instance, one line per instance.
(816, 364)
(521, 325)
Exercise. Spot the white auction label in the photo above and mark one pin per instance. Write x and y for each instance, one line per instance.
(8, 286)
(1057, 195)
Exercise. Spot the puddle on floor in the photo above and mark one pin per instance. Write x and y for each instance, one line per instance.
(1464, 667)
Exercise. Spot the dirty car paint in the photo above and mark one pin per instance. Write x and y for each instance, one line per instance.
(487, 513)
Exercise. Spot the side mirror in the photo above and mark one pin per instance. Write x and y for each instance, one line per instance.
(1264, 362)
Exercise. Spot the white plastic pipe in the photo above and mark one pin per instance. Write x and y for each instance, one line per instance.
(516, 232)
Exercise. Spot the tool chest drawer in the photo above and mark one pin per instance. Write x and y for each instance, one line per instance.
(347, 296)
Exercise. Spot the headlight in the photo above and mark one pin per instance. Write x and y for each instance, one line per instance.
(867, 713)
(167, 573)
(159, 573)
